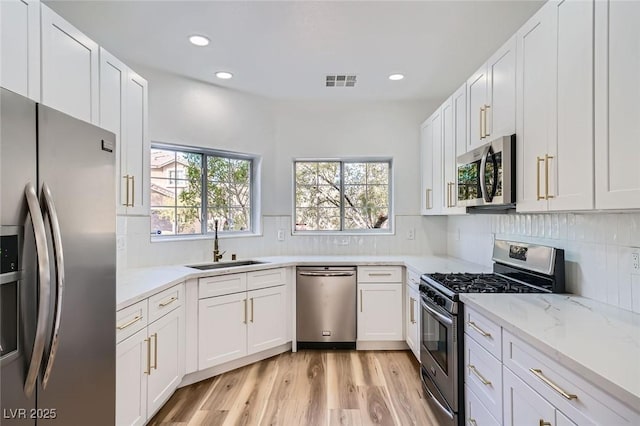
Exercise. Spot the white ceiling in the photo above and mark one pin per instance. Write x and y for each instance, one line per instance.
(285, 49)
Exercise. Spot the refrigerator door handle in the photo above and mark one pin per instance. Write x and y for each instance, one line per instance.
(43, 294)
(50, 210)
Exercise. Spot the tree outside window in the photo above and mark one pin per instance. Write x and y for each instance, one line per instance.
(342, 195)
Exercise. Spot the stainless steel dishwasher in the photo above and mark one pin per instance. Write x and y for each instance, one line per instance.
(326, 307)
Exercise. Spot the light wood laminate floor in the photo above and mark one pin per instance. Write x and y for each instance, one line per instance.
(307, 388)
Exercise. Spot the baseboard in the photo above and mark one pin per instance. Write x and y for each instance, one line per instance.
(198, 376)
(381, 345)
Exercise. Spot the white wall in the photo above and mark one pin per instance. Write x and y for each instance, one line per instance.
(194, 113)
(597, 246)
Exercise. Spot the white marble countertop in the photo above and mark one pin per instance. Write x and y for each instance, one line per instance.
(136, 284)
(597, 341)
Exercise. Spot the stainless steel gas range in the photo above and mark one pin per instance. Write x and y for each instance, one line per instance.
(517, 268)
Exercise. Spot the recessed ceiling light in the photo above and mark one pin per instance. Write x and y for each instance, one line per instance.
(396, 77)
(199, 40)
(224, 75)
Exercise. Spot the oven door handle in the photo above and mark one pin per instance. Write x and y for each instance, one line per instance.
(444, 409)
(437, 314)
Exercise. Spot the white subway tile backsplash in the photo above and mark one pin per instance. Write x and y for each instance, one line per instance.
(597, 247)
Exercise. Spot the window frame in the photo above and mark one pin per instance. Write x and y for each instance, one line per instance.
(255, 163)
(342, 160)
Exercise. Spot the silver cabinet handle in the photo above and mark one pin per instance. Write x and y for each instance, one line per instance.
(361, 302)
(148, 370)
(486, 127)
(244, 316)
(538, 196)
(326, 274)
(155, 351)
(427, 199)
(538, 373)
(133, 191)
(475, 371)
(481, 123)
(412, 317)
(126, 182)
(478, 329)
(129, 323)
(58, 253)
(45, 283)
(168, 301)
(379, 274)
(547, 159)
(251, 309)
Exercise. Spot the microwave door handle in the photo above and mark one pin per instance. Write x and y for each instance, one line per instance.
(50, 209)
(40, 234)
(483, 168)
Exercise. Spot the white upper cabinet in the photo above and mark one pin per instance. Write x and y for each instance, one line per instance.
(617, 88)
(432, 165)
(491, 97)
(134, 158)
(554, 109)
(426, 150)
(454, 132)
(20, 47)
(69, 68)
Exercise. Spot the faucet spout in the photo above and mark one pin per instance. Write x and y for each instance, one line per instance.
(217, 256)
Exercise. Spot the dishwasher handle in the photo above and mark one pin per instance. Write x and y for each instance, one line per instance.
(326, 274)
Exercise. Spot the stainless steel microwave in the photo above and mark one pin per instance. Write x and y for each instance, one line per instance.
(487, 175)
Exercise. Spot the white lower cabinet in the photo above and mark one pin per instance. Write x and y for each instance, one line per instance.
(477, 414)
(523, 406)
(483, 375)
(240, 324)
(149, 363)
(412, 320)
(380, 311)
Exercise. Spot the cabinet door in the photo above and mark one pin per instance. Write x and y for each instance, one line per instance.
(69, 68)
(571, 166)
(522, 405)
(20, 47)
(167, 360)
(267, 326)
(380, 312)
(136, 144)
(535, 120)
(412, 321)
(454, 126)
(426, 148)
(476, 101)
(617, 110)
(501, 114)
(222, 329)
(131, 379)
(113, 81)
(437, 197)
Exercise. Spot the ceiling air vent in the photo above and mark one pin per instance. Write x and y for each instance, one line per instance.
(342, 80)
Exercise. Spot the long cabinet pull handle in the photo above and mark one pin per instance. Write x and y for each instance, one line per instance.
(244, 316)
(472, 422)
(361, 302)
(428, 199)
(538, 373)
(133, 191)
(168, 301)
(379, 274)
(126, 182)
(155, 351)
(478, 329)
(486, 127)
(148, 370)
(475, 371)
(481, 121)
(543, 423)
(129, 323)
(252, 309)
(538, 196)
(547, 159)
(411, 317)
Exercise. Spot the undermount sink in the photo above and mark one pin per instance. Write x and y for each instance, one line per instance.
(220, 265)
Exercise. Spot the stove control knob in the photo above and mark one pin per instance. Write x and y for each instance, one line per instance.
(439, 300)
(431, 293)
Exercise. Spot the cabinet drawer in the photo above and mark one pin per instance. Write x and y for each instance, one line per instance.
(483, 375)
(379, 274)
(413, 278)
(266, 278)
(579, 400)
(476, 413)
(165, 302)
(130, 320)
(221, 285)
(484, 331)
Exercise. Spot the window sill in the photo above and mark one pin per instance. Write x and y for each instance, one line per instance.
(341, 233)
(172, 238)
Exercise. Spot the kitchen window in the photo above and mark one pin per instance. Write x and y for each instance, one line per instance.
(343, 195)
(191, 188)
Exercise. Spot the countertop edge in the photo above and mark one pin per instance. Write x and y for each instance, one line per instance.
(602, 382)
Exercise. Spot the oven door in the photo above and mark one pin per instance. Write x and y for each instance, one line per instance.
(439, 350)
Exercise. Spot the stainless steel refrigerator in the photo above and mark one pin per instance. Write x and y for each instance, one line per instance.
(57, 286)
